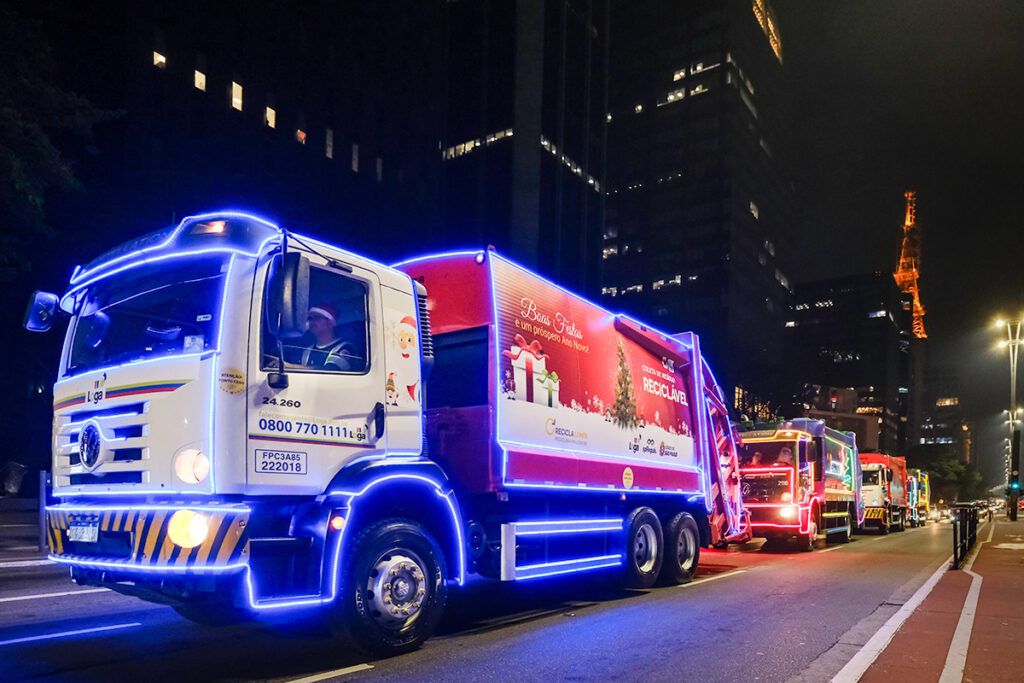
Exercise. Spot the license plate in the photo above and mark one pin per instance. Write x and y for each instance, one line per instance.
(85, 533)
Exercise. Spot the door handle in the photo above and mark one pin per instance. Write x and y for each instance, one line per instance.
(378, 419)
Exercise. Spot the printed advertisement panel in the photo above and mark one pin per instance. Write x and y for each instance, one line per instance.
(568, 380)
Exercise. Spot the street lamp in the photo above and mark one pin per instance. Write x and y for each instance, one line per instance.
(1013, 342)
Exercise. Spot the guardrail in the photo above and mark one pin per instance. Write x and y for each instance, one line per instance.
(965, 531)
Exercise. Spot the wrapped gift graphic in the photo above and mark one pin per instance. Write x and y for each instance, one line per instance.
(528, 363)
(549, 381)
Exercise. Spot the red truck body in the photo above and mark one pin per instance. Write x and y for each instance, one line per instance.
(885, 490)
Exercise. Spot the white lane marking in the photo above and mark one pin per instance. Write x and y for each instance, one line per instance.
(53, 595)
(860, 662)
(18, 526)
(26, 563)
(332, 674)
(956, 659)
(50, 636)
(19, 548)
(712, 578)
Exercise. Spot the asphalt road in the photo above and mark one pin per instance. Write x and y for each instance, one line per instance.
(752, 615)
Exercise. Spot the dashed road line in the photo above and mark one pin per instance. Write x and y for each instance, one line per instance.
(37, 596)
(711, 578)
(337, 673)
(25, 563)
(63, 634)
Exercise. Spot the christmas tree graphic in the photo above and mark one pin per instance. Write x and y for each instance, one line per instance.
(624, 408)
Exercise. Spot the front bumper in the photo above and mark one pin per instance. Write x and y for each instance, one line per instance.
(133, 539)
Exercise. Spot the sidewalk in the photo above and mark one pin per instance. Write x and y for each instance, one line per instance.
(919, 649)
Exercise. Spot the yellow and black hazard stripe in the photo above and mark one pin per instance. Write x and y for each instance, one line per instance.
(875, 513)
(226, 543)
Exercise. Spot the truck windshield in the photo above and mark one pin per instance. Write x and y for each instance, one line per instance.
(767, 453)
(872, 477)
(163, 309)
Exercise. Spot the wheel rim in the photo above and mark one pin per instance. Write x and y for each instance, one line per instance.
(645, 548)
(397, 588)
(686, 543)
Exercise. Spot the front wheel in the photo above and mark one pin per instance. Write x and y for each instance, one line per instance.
(644, 554)
(392, 591)
(682, 549)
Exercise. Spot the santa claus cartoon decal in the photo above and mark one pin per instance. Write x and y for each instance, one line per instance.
(408, 363)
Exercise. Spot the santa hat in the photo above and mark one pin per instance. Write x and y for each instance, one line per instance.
(408, 320)
(325, 310)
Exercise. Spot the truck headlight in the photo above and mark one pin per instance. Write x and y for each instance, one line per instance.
(788, 512)
(874, 502)
(191, 466)
(188, 528)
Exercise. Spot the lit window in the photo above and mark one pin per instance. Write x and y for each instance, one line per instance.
(159, 60)
(355, 157)
(679, 75)
(657, 284)
(300, 136)
(766, 18)
(953, 401)
(754, 210)
(380, 169)
(270, 117)
(638, 108)
(877, 314)
(236, 96)
(692, 278)
(329, 143)
(609, 118)
(611, 232)
(677, 280)
(790, 323)
(609, 291)
(633, 289)
(199, 80)
(698, 90)
(610, 251)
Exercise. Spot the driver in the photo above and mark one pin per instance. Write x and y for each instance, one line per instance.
(328, 351)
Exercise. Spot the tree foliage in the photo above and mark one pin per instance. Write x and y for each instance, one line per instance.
(33, 107)
(949, 478)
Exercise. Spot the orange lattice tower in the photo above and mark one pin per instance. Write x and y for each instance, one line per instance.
(910, 261)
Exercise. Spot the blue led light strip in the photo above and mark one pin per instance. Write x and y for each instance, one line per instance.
(537, 571)
(548, 528)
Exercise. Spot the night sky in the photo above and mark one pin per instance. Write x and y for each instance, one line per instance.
(925, 95)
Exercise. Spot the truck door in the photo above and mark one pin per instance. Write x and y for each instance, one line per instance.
(300, 436)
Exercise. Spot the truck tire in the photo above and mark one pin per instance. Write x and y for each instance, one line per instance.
(682, 549)
(845, 536)
(902, 525)
(644, 549)
(392, 590)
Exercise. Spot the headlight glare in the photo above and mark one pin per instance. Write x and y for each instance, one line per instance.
(188, 528)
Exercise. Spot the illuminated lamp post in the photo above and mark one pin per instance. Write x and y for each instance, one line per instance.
(1013, 341)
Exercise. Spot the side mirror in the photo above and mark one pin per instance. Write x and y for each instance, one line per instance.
(888, 475)
(288, 295)
(41, 312)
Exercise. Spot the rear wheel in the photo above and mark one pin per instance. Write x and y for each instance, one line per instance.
(644, 550)
(392, 591)
(682, 549)
(844, 536)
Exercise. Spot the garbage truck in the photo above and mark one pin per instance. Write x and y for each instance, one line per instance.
(885, 492)
(801, 482)
(249, 421)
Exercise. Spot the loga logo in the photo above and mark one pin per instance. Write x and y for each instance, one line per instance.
(95, 395)
(549, 426)
(634, 445)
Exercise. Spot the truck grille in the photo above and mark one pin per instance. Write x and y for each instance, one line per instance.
(125, 430)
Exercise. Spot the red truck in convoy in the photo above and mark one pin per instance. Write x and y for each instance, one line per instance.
(884, 491)
(247, 420)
